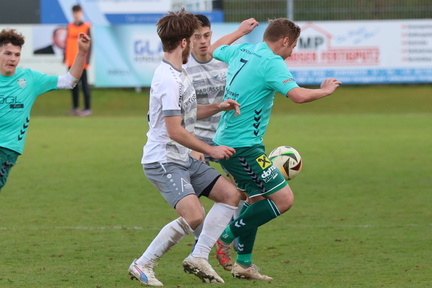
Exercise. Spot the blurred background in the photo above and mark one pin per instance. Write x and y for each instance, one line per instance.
(358, 42)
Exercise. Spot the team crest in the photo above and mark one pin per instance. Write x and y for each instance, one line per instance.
(22, 82)
(263, 161)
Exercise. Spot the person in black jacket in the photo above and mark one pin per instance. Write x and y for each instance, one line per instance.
(58, 43)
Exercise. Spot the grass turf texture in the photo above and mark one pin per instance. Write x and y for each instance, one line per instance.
(77, 208)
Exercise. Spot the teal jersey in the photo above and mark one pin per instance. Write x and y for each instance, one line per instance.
(17, 95)
(255, 73)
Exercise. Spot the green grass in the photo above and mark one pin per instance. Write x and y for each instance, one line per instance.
(78, 209)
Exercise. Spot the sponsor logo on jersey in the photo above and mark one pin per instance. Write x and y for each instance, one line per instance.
(263, 161)
(269, 174)
(12, 101)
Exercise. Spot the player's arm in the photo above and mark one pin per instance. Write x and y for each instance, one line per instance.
(205, 111)
(80, 59)
(245, 28)
(177, 133)
(303, 95)
(71, 78)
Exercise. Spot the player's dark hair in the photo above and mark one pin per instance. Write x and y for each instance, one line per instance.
(76, 8)
(176, 26)
(205, 22)
(11, 36)
(280, 28)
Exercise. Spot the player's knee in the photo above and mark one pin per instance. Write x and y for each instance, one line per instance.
(225, 192)
(235, 197)
(288, 202)
(284, 200)
(195, 220)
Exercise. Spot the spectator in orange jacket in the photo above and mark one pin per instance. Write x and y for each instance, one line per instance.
(73, 30)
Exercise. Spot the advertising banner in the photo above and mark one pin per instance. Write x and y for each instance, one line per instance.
(108, 12)
(127, 55)
(355, 52)
(43, 47)
(364, 52)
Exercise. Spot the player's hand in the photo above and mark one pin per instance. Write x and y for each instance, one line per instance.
(197, 155)
(247, 26)
(84, 42)
(330, 85)
(221, 152)
(230, 104)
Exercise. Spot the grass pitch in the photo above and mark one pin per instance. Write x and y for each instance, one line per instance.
(77, 208)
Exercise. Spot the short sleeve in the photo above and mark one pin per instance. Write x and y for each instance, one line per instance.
(279, 78)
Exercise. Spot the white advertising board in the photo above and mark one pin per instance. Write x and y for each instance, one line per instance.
(355, 52)
(364, 52)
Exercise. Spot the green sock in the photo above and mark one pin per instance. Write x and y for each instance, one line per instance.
(227, 235)
(244, 259)
(254, 216)
(245, 246)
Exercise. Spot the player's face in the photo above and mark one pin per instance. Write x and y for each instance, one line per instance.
(288, 50)
(186, 52)
(201, 42)
(10, 56)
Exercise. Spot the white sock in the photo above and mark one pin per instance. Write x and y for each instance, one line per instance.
(239, 208)
(198, 230)
(168, 236)
(214, 224)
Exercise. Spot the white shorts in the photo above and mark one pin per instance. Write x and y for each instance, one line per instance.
(175, 181)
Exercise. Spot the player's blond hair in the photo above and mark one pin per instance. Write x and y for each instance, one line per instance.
(281, 27)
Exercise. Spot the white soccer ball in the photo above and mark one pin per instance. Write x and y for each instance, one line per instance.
(287, 160)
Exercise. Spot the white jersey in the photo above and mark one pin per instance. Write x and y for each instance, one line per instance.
(171, 94)
(209, 83)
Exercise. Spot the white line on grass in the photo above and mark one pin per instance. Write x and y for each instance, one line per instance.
(158, 228)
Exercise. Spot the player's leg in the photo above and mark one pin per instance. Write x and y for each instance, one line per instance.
(240, 208)
(197, 231)
(244, 268)
(243, 196)
(223, 250)
(168, 236)
(259, 213)
(190, 216)
(167, 178)
(8, 158)
(226, 198)
(255, 174)
(224, 194)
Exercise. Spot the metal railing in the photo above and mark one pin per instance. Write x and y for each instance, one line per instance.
(325, 10)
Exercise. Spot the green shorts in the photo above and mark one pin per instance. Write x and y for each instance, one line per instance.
(253, 172)
(8, 158)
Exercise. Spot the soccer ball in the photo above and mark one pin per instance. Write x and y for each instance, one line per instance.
(287, 160)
